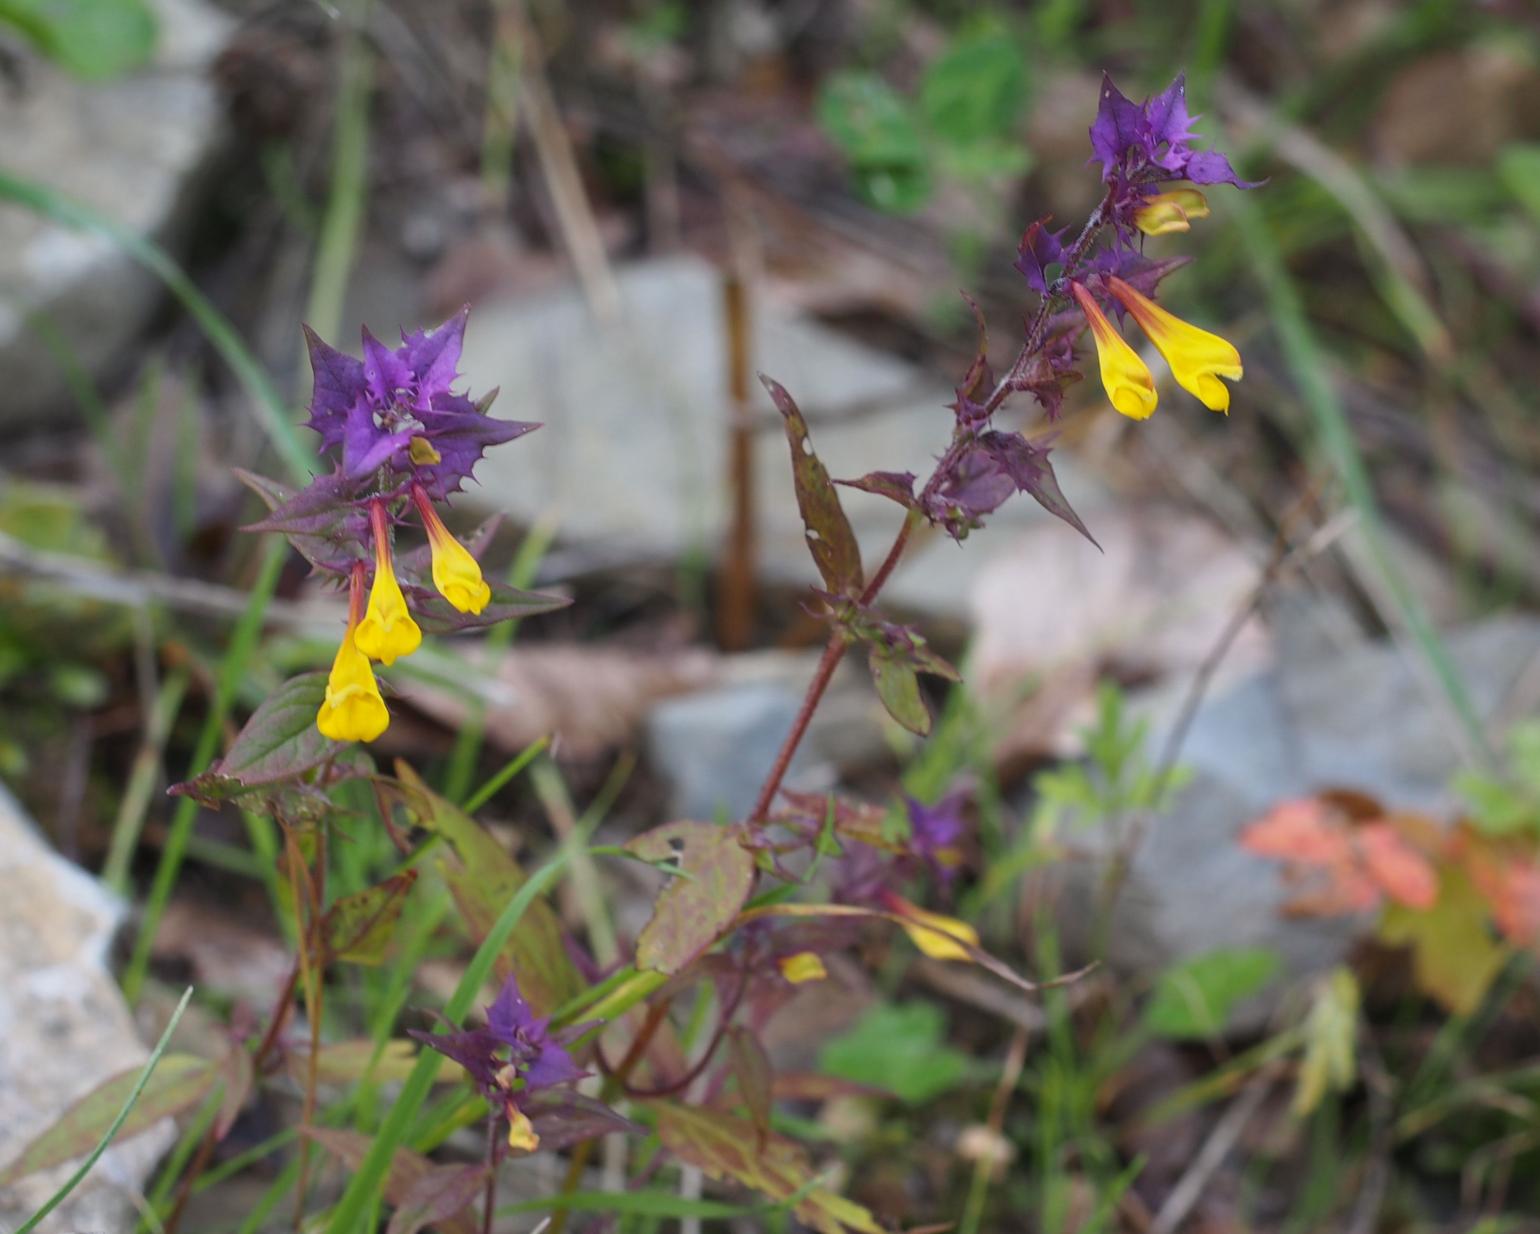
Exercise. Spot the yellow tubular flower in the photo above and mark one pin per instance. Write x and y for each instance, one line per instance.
(456, 574)
(353, 710)
(804, 966)
(387, 630)
(1125, 376)
(1170, 211)
(1197, 358)
(521, 1132)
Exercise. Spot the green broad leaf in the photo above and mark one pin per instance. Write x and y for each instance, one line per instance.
(898, 1048)
(94, 39)
(876, 131)
(694, 910)
(179, 1083)
(483, 878)
(727, 1149)
(280, 742)
(351, 1062)
(358, 927)
(898, 686)
(829, 536)
(1194, 999)
(975, 90)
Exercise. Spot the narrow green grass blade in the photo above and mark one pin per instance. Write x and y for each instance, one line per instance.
(75, 1179)
(367, 1184)
(269, 407)
(243, 642)
(1311, 371)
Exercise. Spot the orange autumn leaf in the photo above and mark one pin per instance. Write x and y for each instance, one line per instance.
(1398, 869)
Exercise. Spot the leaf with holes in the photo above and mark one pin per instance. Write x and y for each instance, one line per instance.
(829, 537)
(727, 1149)
(179, 1083)
(694, 909)
(482, 877)
(358, 927)
(280, 742)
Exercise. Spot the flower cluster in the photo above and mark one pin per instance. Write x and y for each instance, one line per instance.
(1144, 151)
(403, 440)
(510, 1059)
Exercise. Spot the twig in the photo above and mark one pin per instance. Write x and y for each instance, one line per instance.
(1189, 1188)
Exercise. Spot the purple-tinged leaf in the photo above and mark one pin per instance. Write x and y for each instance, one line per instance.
(978, 382)
(357, 929)
(1029, 467)
(482, 877)
(279, 743)
(751, 1068)
(178, 1083)
(894, 485)
(1040, 249)
(237, 1073)
(332, 541)
(443, 1195)
(562, 1119)
(408, 1170)
(829, 537)
(692, 912)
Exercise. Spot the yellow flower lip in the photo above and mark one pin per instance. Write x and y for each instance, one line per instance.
(456, 574)
(1125, 377)
(353, 709)
(936, 935)
(1170, 212)
(387, 630)
(1197, 358)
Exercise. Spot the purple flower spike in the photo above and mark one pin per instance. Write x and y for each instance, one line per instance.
(1142, 146)
(394, 409)
(512, 1058)
(936, 832)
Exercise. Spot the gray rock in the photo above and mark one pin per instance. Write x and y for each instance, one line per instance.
(1363, 719)
(715, 748)
(130, 149)
(64, 1028)
(633, 458)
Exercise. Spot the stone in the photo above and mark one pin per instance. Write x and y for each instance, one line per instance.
(1364, 719)
(633, 457)
(64, 1028)
(131, 149)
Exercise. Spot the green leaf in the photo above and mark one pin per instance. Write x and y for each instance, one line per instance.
(725, 1148)
(1518, 167)
(898, 686)
(829, 537)
(876, 131)
(692, 911)
(180, 1082)
(976, 89)
(280, 742)
(1194, 999)
(483, 878)
(358, 927)
(900, 1049)
(94, 39)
